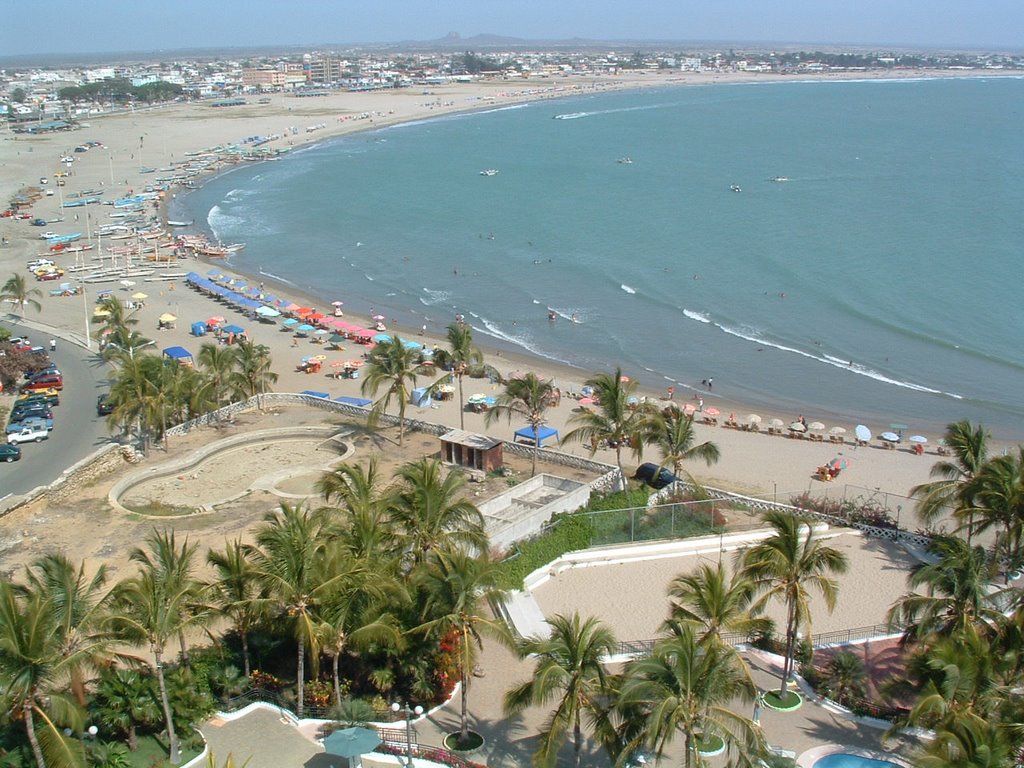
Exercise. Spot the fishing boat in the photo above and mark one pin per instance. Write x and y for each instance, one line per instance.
(735, 188)
(780, 178)
(189, 223)
(625, 161)
(489, 172)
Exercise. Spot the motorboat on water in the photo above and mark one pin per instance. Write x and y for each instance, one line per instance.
(735, 188)
(780, 178)
(489, 172)
(625, 161)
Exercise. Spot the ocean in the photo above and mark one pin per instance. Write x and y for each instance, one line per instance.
(842, 248)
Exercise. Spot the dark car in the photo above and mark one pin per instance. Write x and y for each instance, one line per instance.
(9, 452)
(39, 410)
(49, 397)
(103, 405)
(51, 368)
(654, 476)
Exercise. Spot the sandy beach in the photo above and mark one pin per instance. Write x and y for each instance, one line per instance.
(757, 464)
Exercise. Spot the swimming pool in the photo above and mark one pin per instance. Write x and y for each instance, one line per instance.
(847, 760)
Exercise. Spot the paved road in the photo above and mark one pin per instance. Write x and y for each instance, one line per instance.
(77, 430)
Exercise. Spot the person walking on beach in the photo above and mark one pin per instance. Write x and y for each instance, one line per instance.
(53, 345)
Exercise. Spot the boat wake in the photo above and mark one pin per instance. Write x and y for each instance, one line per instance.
(272, 276)
(520, 339)
(754, 336)
(433, 298)
(578, 115)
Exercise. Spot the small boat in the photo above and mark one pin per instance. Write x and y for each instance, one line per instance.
(233, 247)
(180, 223)
(735, 188)
(625, 161)
(489, 172)
(780, 178)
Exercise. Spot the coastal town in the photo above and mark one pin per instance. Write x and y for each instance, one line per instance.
(251, 524)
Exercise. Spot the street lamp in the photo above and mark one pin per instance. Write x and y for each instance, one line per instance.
(409, 712)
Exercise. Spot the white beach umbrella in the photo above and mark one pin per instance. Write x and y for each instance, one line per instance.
(837, 431)
(753, 418)
(777, 423)
(815, 425)
(918, 439)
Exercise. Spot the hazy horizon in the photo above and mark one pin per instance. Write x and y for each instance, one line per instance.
(111, 26)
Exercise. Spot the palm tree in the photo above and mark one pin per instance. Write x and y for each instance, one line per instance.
(686, 687)
(352, 613)
(617, 420)
(950, 492)
(253, 376)
(123, 343)
(174, 567)
(997, 502)
(460, 356)
(236, 591)
(132, 390)
(526, 397)
(714, 603)
(672, 433)
(79, 603)
(845, 677)
(784, 566)
(116, 317)
(969, 742)
(570, 672)
(290, 559)
(218, 363)
(17, 292)
(34, 668)
(395, 367)
(429, 512)
(365, 530)
(124, 701)
(957, 592)
(457, 585)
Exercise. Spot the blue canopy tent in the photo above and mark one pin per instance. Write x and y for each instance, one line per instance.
(237, 330)
(179, 354)
(359, 402)
(313, 393)
(543, 433)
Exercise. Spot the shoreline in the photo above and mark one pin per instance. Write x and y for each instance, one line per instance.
(566, 376)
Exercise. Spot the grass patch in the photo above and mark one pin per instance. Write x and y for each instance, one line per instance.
(160, 509)
(473, 741)
(152, 753)
(788, 702)
(572, 533)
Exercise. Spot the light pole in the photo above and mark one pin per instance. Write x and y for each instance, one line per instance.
(409, 712)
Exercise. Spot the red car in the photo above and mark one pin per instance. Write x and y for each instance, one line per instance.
(50, 276)
(44, 381)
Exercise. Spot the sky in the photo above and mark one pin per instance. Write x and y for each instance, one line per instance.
(99, 26)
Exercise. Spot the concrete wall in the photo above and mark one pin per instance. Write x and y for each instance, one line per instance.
(505, 531)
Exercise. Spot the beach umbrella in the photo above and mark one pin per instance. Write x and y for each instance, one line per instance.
(320, 332)
(354, 363)
(307, 358)
(689, 408)
(337, 303)
(586, 401)
(815, 425)
(889, 437)
(624, 379)
(336, 339)
(796, 426)
(290, 321)
(632, 400)
(338, 364)
(862, 432)
(267, 312)
(139, 295)
(478, 397)
(920, 439)
(215, 320)
(776, 423)
(712, 411)
(351, 742)
(305, 328)
(753, 418)
(167, 317)
(839, 462)
(381, 338)
(837, 431)
(409, 344)
(378, 317)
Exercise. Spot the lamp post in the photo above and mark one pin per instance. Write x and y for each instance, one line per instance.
(408, 712)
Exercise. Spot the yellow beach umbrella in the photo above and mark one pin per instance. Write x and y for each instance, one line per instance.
(140, 296)
(167, 317)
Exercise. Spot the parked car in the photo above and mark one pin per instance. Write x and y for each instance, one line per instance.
(28, 435)
(49, 397)
(51, 368)
(44, 381)
(22, 412)
(103, 405)
(38, 263)
(55, 274)
(35, 422)
(9, 452)
(654, 476)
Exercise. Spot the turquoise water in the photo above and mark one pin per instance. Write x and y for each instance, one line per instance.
(878, 284)
(844, 760)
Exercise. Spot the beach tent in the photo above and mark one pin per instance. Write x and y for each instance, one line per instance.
(359, 402)
(198, 329)
(526, 435)
(179, 354)
(420, 397)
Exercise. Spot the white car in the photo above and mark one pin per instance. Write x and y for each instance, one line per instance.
(47, 235)
(37, 263)
(28, 435)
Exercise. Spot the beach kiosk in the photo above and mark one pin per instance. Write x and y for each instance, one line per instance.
(180, 355)
(526, 435)
(470, 450)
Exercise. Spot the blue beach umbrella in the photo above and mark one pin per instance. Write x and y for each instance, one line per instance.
(381, 338)
(351, 742)
(290, 321)
(305, 328)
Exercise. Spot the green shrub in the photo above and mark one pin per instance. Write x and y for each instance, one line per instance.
(570, 533)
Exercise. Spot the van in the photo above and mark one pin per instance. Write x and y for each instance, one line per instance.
(654, 476)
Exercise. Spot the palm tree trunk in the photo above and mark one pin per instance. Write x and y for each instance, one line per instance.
(30, 730)
(464, 680)
(185, 658)
(577, 740)
(337, 680)
(301, 673)
(787, 667)
(245, 653)
(174, 749)
(133, 737)
(462, 405)
(689, 749)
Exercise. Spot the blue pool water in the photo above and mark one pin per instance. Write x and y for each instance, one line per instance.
(846, 760)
